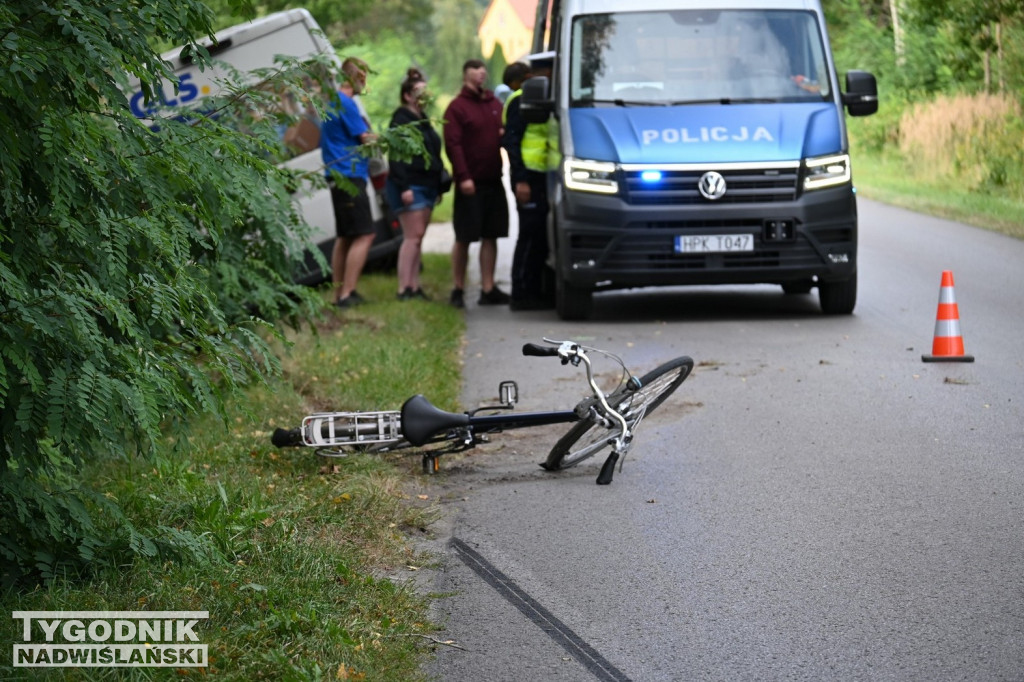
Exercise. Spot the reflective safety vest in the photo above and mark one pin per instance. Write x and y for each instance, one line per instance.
(539, 148)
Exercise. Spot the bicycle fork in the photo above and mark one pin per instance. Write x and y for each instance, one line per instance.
(621, 442)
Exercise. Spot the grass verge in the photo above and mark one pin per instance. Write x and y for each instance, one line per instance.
(888, 180)
(295, 556)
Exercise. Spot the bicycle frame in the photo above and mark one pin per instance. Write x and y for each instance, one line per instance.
(422, 423)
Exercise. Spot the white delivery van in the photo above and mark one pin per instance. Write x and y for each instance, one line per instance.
(702, 142)
(253, 45)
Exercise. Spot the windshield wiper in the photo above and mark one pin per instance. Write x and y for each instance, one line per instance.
(727, 100)
(617, 102)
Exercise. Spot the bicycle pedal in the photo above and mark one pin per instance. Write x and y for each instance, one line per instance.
(508, 393)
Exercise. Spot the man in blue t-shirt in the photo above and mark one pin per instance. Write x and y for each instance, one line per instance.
(341, 132)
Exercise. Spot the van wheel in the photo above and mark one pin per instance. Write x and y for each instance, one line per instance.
(838, 298)
(572, 302)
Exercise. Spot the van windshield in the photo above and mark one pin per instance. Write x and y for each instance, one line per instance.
(697, 56)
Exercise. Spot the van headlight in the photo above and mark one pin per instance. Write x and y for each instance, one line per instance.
(826, 171)
(590, 176)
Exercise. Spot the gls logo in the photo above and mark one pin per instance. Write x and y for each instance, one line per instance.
(187, 91)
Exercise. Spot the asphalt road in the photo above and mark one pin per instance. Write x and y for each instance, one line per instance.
(814, 503)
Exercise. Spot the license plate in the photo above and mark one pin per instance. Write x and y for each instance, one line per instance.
(714, 243)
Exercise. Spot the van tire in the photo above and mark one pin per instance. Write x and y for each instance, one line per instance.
(573, 303)
(838, 298)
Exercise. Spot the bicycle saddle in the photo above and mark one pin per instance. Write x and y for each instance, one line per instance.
(421, 420)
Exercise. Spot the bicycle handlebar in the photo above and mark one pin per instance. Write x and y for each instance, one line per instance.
(571, 351)
(536, 350)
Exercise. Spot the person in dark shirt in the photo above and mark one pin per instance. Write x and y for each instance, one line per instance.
(472, 139)
(413, 187)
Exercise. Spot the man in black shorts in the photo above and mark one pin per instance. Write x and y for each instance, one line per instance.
(472, 138)
(341, 133)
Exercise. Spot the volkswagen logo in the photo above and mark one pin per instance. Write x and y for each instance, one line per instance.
(711, 185)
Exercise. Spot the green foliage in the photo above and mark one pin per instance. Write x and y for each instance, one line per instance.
(437, 43)
(946, 47)
(137, 265)
(1003, 163)
(350, 21)
(455, 38)
(293, 549)
(408, 18)
(880, 132)
(389, 57)
(858, 43)
(496, 65)
(944, 42)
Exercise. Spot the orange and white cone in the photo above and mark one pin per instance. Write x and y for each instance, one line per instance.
(948, 345)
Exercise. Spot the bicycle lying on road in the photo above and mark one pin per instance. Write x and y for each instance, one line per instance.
(600, 420)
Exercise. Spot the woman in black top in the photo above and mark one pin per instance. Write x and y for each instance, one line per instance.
(413, 187)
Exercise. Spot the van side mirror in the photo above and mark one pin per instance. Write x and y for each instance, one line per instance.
(535, 106)
(861, 96)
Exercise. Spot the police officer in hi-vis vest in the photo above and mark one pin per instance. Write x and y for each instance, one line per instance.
(532, 153)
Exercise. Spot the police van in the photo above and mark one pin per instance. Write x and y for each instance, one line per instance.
(702, 143)
(253, 45)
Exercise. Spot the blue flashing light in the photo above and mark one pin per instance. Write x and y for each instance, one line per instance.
(651, 176)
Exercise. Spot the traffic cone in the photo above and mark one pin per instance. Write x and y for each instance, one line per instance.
(949, 344)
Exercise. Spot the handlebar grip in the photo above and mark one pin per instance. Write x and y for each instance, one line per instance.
(286, 438)
(608, 469)
(539, 351)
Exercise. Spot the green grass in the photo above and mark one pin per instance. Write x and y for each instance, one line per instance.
(889, 181)
(443, 211)
(292, 550)
(370, 356)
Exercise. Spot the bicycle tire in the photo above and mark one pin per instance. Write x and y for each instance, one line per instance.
(586, 438)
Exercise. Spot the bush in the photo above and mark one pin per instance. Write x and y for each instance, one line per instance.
(879, 133)
(134, 272)
(966, 138)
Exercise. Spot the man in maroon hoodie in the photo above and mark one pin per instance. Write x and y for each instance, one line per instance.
(472, 139)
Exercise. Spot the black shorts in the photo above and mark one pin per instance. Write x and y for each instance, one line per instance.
(352, 216)
(483, 215)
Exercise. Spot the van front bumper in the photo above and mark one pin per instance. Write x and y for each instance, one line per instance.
(602, 242)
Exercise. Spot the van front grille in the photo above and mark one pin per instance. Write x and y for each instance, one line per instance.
(743, 186)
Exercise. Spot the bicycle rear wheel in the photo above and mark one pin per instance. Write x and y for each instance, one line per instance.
(588, 437)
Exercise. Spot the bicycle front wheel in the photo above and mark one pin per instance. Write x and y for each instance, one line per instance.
(588, 437)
